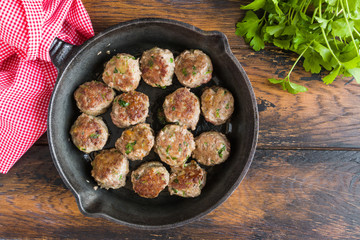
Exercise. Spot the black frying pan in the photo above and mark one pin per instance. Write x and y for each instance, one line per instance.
(77, 65)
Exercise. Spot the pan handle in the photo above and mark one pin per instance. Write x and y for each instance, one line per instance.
(60, 52)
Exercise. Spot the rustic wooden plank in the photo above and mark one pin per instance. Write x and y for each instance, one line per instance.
(294, 194)
(42, 140)
(216, 15)
(286, 195)
(326, 116)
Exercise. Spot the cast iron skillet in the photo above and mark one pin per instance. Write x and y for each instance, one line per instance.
(77, 65)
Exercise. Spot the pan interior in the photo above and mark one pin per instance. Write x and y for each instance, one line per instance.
(123, 205)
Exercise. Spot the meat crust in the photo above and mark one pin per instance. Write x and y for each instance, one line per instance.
(94, 97)
(136, 142)
(122, 72)
(174, 144)
(193, 68)
(150, 179)
(110, 168)
(187, 180)
(217, 105)
(157, 67)
(89, 133)
(129, 109)
(183, 107)
(211, 148)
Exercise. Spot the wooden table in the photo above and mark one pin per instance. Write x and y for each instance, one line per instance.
(304, 180)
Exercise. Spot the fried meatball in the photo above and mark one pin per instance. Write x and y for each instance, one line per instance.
(211, 148)
(129, 109)
(94, 97)
(187, 180)
(122, 72)
(183, 107)
(193, 68)
(157, 67)
(110, 168)
(89, 133)
(136, 142)
(217, 105)
(150, 179)
(174, 144)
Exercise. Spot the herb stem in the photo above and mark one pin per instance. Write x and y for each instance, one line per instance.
(337, 47)
(328, 45)
(357, 32)
(348, 25)
(263, 18)
(313, 17)
(324, 35)
(301, 7)
(347, 6)
(292, 15)
(297, 60)
(307, 6)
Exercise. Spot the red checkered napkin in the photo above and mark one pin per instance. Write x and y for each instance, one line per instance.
(27, 76)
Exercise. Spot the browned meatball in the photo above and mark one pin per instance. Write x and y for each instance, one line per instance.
(174, 144)
(129, 109)
(122, 72)
(187, 180)
(157, 67)
(89, 133)
(193, 68)
(150, 179)
(94, 97)
(183, 107)
(211, 148)
(217, 105)
(136, 142)
(110, 168)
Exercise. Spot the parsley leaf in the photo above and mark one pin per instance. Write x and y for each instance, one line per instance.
(94, 135)
(184, 72)
(289, 86)
(221, 150)
(250, 28)
(168, 148)
(356, 73)
(324, 33)
(123, 103)
(129, 147)
(255, 5)
(159, 86)
(331, 77)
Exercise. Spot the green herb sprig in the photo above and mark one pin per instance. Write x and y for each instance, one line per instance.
(129, 147)
(325, 33)
(221, 151)
(123, 103)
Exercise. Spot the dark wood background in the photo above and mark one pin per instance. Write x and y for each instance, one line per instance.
(304, 180)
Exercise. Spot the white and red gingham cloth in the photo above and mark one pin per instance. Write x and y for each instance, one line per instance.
(27, 76)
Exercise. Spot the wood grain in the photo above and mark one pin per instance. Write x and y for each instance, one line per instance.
(323, 117)
(219, 15)
(285, 195)
(295, 189)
